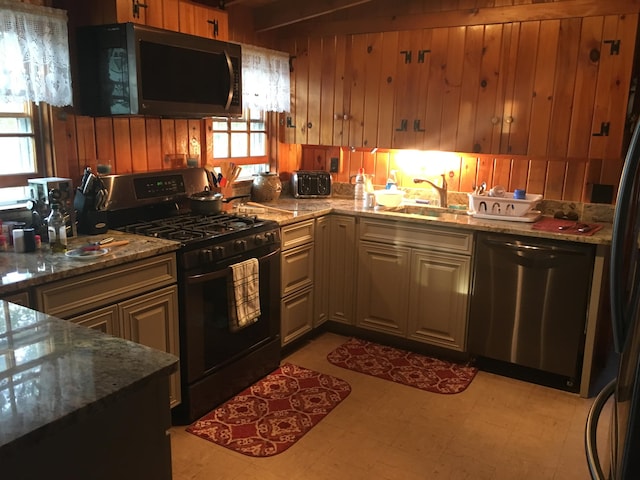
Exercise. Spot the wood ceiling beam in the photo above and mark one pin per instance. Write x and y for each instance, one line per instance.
(288, 12)
(467, 17)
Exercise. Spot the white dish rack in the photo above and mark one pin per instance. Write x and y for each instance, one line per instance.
(506, 206)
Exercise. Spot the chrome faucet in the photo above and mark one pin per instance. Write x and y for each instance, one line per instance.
(442, 191)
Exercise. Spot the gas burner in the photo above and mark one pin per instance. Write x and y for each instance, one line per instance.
(184, 235)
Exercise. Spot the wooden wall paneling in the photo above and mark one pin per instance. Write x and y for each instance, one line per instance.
(171, 15)
(422, 50)
(341, 94)
(483, 173)
(436, 88)
(509, 32)
(368, 162)
(564, 86)
(105, 148)
(372, 88)
(357, 82)
(168, 133)
(619, 94)
(356, 160)
(327, 89)
(196, 139)
(381, 170)
(273, 145)
(488, 83)
(542, 100)
(85, 143)
(470, 89)
(453, 84)
(122, 145)
(287, 119)
(502, 172)
(523, 88)
(182, 136)
(315, 91)
(508, 70)
(585, 87)
(302, 89)
(289, 157)
(574, 181)
(153, 134)
(468, 174)
(536, 176)
(519, 173)
(591, 177)
(611, 171)
(556, 173)
(387, 84)
(405, 89)
(64, 148)
(138, 137)
(308, 158)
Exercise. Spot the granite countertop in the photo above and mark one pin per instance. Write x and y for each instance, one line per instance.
(23, 270)
(54, 373)
(302, 209)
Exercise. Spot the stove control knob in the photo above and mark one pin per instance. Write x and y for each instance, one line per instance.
(206, 255)
(270, 237)
(259, 239)
(240, 245)
(218, 252)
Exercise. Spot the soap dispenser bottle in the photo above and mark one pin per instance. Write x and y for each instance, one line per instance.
(360, 193)
(392, 183)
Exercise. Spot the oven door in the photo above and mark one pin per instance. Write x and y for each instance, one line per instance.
(208, 341)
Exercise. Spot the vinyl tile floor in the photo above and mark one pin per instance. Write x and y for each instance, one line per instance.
(498, 428)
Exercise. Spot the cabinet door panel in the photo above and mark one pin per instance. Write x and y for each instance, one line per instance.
(321, 271)
(436, 87)
(297, 315)
(341, 288)
(383, 288)
(327, 90)
(104, 320)
(297, 269)
(453, 82)
(315, 91)
(387, 82)
(439, 295)
(357, 82)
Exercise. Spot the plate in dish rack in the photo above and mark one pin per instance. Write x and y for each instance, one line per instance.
(531, 216)
(86, 254)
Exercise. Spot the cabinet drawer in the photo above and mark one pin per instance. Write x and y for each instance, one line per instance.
(412, 235)
(70, 297)
(297, 269)
(297, 234)
(297, 315)
(20, 298)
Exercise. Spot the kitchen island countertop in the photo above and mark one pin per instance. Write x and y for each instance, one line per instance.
(55, 374)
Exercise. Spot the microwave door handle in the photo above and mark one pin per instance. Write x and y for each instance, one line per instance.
(231, 77)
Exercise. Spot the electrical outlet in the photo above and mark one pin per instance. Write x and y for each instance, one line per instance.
(335, 163)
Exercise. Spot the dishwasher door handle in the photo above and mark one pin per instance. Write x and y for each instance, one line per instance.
(528, 248)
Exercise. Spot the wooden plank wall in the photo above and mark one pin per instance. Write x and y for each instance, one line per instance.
(555, 178)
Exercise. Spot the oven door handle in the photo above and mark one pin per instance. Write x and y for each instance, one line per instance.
(205, 277)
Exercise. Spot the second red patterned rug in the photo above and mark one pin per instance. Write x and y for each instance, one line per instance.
(401, 366)
(274, 413)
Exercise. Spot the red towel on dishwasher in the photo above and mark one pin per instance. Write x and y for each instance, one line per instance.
(553, 225)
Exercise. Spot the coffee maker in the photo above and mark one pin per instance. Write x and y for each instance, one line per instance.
(47, 191)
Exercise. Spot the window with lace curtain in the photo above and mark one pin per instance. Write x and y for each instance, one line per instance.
(35, 68)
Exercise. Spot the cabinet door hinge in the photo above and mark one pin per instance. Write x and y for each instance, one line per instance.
(136, 7)
(407, 55)
(604, 130)
(290, 123)
(215, 27)
(416, 126)
(614, 46)
(404, 124)
(421, 54)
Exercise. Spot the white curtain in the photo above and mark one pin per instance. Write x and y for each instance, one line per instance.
(265, 79)
(34, 48)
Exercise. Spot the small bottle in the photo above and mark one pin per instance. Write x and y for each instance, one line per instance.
(57, 230)
(359, 189)
(38, 242)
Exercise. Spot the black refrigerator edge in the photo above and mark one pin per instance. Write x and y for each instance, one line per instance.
(621, 461)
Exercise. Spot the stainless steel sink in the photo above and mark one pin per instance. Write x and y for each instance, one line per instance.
(429, 211)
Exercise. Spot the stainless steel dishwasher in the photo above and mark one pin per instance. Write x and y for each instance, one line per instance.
(529, 306)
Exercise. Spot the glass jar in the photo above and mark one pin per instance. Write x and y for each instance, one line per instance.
(266, 187)
(57, 230)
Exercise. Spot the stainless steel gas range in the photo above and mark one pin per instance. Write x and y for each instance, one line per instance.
(216, 361)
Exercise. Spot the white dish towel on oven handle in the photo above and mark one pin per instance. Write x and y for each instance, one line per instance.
(244, 294)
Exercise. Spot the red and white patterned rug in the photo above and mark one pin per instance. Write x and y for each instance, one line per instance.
(401, 366)
(274, 413)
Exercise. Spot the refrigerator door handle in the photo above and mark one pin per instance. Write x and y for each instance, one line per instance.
(591, 430)
(621, 224)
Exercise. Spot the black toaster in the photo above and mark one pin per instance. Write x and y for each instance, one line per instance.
(311, 184)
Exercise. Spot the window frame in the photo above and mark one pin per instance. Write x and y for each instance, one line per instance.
(246, 119)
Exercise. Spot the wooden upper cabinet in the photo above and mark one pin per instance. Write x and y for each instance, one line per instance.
(203, 21)
(154, 13)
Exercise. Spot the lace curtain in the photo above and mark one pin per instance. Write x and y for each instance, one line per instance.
(265, 79)
(34, 48)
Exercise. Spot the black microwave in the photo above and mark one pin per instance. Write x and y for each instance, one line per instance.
(129, 69)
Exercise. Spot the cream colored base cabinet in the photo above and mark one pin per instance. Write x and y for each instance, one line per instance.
(297, 265)
(438, 298)
(321, 273)
(137, 301)
(342, 264)
(413, 281)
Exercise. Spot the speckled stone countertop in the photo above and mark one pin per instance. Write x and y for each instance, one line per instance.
(23, 270)
(54, 373)
(301, 209)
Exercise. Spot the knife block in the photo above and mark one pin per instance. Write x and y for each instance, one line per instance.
(90, 220)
